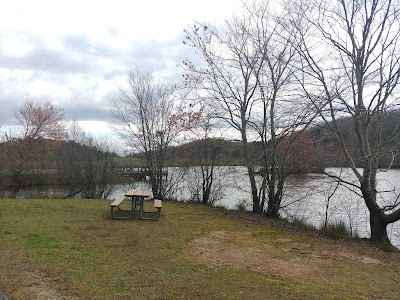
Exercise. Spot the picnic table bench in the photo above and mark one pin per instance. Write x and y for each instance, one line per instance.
(158, 205)
(115, 204)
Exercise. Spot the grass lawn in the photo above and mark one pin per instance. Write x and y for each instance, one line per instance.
(72, 249)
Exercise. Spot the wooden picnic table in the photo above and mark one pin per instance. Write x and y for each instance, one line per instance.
(137, 196)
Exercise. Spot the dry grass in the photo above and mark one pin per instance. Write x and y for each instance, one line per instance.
(71, 249)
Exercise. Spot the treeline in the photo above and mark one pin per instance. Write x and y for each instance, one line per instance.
(86, 167)
(50, 150)
(229, 153)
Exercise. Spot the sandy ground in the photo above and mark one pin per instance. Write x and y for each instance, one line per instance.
(218, 247)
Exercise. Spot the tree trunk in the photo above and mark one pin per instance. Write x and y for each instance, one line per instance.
(379, 231)
(272, 210)
(251, 173)
(378, 224)
(274, 202)
(254, 193)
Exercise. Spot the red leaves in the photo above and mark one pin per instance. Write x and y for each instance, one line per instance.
(41, 120)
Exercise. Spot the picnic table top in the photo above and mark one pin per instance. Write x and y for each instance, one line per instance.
(138, 193)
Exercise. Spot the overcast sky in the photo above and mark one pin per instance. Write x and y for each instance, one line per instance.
(75, 53)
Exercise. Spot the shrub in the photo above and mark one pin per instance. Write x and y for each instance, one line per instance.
(337, 229)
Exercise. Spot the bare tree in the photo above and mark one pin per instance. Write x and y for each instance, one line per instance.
(204, 185)
(247, 76)
(227, 80)
(149, 119)
(351, 58)
(284, 115)
(75, 132)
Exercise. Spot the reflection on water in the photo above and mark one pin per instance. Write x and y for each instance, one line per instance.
(61, 191)
(312, 197)
(35, 192)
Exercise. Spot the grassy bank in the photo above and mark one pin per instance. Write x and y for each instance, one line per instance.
(71, 249)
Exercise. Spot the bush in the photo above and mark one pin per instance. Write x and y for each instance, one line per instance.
(241, 205)
(336, 230)
(301, 223)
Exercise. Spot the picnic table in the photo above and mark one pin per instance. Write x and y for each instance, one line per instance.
(138, 197)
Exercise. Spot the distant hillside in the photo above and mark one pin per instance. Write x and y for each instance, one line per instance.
(316, 147)
(326, 151)
(229, 153)
(327, 142)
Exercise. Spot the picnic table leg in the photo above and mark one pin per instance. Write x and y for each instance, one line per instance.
(135, 204)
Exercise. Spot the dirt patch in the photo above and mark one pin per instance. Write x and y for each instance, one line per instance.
(221, 248)
(308, 250)
(288, 258)
(369, 260)
(39, 287)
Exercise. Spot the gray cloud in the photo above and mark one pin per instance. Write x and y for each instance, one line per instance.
(78, 55)
(86, 111)
(160, 57)
(46, 60)
(83, 45)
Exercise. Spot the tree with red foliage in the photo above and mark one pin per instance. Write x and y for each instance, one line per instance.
(46, 120)
(303, 153)
(37, 122)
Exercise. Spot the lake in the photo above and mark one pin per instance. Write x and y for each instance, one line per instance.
(309, 197)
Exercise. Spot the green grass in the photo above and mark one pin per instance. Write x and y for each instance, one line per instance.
(72, 248)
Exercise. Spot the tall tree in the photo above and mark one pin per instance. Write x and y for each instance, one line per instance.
(247, 76)
(283, 115)
(226, 79)
(147, 111)
(351, 58)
